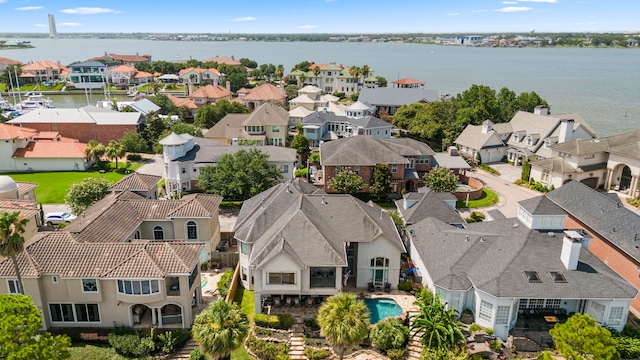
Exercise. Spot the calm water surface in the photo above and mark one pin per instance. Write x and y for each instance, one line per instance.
(602, 85)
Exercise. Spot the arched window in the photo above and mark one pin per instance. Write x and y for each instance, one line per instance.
(379, 274)
(192, 230)
(158, 233)
(137, 235)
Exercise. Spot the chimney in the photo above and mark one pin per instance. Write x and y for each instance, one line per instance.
(566, 130)
(190, 85)
(232, 57)
(228, 86)
(324, 110)
(487, 126)
(541, 110)
(571, 244)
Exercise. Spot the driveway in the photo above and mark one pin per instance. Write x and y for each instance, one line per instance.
(154, 165)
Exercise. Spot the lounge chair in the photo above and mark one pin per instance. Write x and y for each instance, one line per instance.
(276, 302)
(296, 301)
(309, 301)
(287, 301)
(387, 287)
(371, 287)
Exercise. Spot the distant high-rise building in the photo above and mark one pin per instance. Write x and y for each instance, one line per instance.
(53, 33)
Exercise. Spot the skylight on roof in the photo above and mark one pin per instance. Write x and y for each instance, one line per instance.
(532, 276)
(558, 276)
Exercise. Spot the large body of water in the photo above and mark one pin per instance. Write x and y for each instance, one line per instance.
(602, 85)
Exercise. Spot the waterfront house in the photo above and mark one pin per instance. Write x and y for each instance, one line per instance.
(389, 100)
(223, 60)
(408, 83)
(606, 162)
(526, 137)
(296, 241)
(88, 75)
(261, 94)
(5, 62)
(85, 124)
(119, 59)
(186, 102)
(614, 229)
(185, 156)
(25, 149)
(199, 76)
(266, 125)
(526, 265)
(43, 71)
(125, 74)
(409, 160)
(332, 78)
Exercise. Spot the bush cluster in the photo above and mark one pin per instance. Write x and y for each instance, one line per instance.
(390, 334)
(134, 157)
(127, 342)
(268, 350)
(535, 185)
(300, 172)
(475, 216)
(132, 345)
(316, 354)
(405, 285)
(224, 283)
(279, 321)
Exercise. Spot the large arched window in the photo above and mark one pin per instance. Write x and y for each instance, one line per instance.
(379, 274)
(192, 230)
(158, 233)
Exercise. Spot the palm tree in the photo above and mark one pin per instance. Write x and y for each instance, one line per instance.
(220, 329)
(355, 72)
(12, 226)
(316, 70)
(365, 70)
(114, 150)
(94, 151)
(279, 71)
(440, 327)
(343, 320)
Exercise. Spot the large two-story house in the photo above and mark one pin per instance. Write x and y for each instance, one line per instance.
(503, 268)
(409, 160)
(43, 71)
(266, 125)
(606, 162)
(125, 74)
(185, 156)
(262, 94)
(526, 137)
(333, 78)
(389, 99)
(297, 241)
(200, 76)
(88, 75)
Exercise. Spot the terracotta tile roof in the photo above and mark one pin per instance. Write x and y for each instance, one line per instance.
(243, 91)
(136, 182)
(142, 74)
(123, 58)
(27, 75)
(211, 92)
(408, 81)
(197, 205)
(27, 208)
(128, 195)
(199, 70)
(44, 65)
(122, 68)
(47, 135)
(182, 102)
(6, 61)
(106, 260)
(223, 60)
(264, 92)
(24, 187)
(8, 132)
(51, 149)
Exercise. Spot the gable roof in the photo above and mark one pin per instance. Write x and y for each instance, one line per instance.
(607, 217)
(364, 150)
(428, 203)
(492, 257)
(625, 144)
(209, 151)
(6, 61)
(136, 182)
(222, 127)
(308, 225)
(211, 92)
(51, 149)
(473, 137)
(396, 96)
(9, 132)
(264, 92)
(44, 65)
(182, 101)
(267, 114)
(223, 60)
(408, 81)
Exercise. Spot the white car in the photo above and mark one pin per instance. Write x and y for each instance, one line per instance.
(54, 218)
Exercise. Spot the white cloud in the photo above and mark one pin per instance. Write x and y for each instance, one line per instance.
(246, 18)
(27, 8)
(40, 25)
(1, 1)
(509, 2)
(89, 11)
(307, 27)
(479, 11)
(69, 24)
(510, 9)
(453, 14)
(540, 1)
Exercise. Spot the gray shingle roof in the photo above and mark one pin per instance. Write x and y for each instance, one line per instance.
(364, 150)
(627, 144)
(602, 215)
(450, 162)
(429, 204)
(492, 257)
(210, 151)
(473, 137)
(556, 165)
(396, 96)
(541, 205)
(309, 226)
(366, 122)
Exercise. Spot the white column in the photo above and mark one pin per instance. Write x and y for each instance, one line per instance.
(153, 316)
(634, 185)
(607, 183)
(159, 317)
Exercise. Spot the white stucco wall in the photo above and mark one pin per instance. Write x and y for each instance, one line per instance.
(380, 247)
(50, 164)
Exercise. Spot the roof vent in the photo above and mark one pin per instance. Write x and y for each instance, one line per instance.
(551, 234)
(288, 189)
(481, 238)
(324, 202)
(466, 238)
(412, 232)
(263, 200)
(516, 225)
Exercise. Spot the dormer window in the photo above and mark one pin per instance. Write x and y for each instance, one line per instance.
(533, 276)
(515, 137)
(529, 141)
(547, 143)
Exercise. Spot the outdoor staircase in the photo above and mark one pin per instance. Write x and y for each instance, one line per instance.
(185, 351)
(414, 348)
(296, 341)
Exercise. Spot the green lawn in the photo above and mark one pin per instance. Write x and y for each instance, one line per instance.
(488, 198)
(53, 186)
(244, 298)
(81, 351)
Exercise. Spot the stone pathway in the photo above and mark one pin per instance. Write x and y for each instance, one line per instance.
(186, 350)
(296, 341)
(414, 348)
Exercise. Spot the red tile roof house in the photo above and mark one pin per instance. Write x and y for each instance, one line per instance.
(409, 160)
(200, 76)
(24, 149)
(85, 123)
(41, 71)
(615, 229)
(210, 94)
(4, 63)
(129, 75)
(257, 96)
(130, 60)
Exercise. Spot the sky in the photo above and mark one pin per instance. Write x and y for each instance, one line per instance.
(322, 16)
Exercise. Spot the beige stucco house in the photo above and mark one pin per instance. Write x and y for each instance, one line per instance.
(266, 125)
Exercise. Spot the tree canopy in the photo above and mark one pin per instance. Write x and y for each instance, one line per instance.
(441, 179)
(240, 175)
(113, 151)
(439, 326)
(166, 105)
(220, 329)
(381, 186)
(134, 142)
(82, 194)
(12, 226)
(209, 115)
(580, 337)
(301, 143)
(343, 320)
(347, 182)
(19, 337)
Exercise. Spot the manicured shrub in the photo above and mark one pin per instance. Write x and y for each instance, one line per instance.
(224, 283)
(316, 354)
(405, 285)
(279, 321)
(268, 350)
(489, 331)
(170, 339)
(389, 334)
(131, 345)
(474, 328)
(396, 354)
(197, 355)
(134, 157)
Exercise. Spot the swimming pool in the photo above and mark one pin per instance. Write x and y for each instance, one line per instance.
(381, 308)
(203, 280)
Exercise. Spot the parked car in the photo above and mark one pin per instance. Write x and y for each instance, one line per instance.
(59, 217)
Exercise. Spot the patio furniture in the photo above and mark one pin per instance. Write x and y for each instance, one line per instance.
(296, 302)
(371, 287)
(387, 287)
(276, 302)
(551, 319)
(309, 301)
(287, 301)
